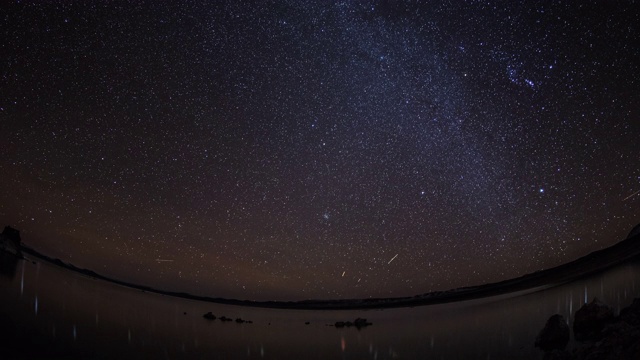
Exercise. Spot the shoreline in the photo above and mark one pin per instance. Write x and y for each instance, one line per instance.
(595, 262)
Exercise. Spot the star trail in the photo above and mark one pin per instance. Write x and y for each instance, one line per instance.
(282, 150)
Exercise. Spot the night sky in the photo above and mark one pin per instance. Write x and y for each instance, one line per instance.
(313, 149)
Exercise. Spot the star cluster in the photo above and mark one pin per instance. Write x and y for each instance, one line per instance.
(314, 149)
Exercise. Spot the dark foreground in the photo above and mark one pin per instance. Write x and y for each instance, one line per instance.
(47, 311)
(598, 333)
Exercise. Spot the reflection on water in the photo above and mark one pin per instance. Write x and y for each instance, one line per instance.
(49, 308)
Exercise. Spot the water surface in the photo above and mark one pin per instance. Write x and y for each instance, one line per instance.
(60, 312)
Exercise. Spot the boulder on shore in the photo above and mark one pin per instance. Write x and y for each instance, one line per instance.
(600, 335)
(358, 323)
(631, 314)
(554, 335)
(10, 241)
(590, 319)
(209, 316)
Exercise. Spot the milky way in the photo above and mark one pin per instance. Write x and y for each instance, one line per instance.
(291, 150)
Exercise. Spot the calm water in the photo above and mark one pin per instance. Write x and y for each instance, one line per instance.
(64, 313)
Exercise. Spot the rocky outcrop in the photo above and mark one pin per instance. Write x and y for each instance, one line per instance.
(209, 316)
(600, 334)
(631, 314)
(358, 323)
(554, 335)
(590, 319)
(10, 241)
(618, 340)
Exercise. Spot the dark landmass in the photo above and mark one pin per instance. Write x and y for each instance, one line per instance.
(211, 317)
(358, 323)
(10, 241)
(599, 334)
(594, 262)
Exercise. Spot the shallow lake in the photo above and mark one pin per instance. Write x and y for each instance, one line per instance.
(63, 313)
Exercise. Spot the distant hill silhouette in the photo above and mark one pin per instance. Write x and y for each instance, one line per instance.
(594, 262)
(635, 231)
(10, 241)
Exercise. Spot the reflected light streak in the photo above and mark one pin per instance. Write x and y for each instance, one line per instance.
(22, 280)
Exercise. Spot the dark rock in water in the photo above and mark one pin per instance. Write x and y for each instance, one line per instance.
(605, 337)
(209, 316)
(239, 321)
(554, 335)
(224, 318)
(358, 323)
(557, 355)
(307, 323)
(619, 340)
(590, 319)
(10, 241)
(11, 234)
(631, 314)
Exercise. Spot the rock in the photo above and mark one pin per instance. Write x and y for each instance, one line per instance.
(224, 318)
(307, 323)
(208, 316)
(619, 336)
(11, 234)
(633, 352)
(554, 335)
(10, 241)
(359, 323)
(603, 336)
(557, 355)
(631, 314)
(590, 319)
(617, 342)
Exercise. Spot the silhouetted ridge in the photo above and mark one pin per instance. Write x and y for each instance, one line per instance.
(597, 261)
(635, 231)
(10, 241)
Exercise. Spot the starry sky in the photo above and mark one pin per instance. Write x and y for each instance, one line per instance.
(285, 150)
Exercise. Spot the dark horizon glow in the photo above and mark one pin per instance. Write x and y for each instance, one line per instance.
(293, 150)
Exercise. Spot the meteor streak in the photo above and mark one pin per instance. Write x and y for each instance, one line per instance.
(630, 196)
(393, 258)
(164, 260)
